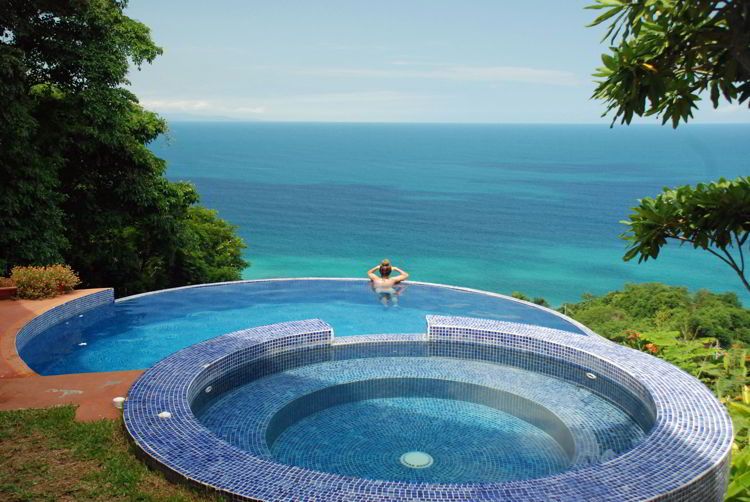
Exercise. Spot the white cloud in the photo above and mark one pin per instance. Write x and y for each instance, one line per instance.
(355, 106)
(465, 73)
(203, 107)
(354, 47)
(251, 109)
(183, 105)
(416, 63)
(733, 108)
(349, 97)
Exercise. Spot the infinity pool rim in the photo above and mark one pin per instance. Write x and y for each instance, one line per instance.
(585, 330)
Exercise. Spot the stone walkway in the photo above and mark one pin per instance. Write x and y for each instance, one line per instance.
(21, 388)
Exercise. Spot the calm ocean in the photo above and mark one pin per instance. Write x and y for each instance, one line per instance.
(531, 208)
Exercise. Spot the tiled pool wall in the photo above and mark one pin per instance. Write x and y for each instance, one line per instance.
(380, 388)
(58, 314)
(685, 457)
(475, 338)
(351, 371)
(80, 305)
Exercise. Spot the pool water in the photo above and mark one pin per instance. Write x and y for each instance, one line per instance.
(135, 333)
(361, 411)
(467, 442)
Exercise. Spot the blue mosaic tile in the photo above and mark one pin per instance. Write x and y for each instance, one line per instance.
(684, 457)
(368, 438)
(60, 314)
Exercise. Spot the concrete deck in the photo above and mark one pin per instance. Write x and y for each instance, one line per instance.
(21, 388)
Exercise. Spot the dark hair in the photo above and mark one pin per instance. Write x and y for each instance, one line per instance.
(385, 270)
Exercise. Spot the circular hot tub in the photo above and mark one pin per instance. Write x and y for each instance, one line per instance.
(422, 411)
(471, 410)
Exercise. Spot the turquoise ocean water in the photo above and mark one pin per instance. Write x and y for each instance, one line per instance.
(531, 208)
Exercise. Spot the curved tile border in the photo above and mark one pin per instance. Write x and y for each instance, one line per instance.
(61, 313)
(684, 458)
(278, 400)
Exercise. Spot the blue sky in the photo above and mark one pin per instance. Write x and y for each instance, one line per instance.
(478, 61)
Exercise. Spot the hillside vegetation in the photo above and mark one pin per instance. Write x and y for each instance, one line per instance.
(658, 307)
(705, 334)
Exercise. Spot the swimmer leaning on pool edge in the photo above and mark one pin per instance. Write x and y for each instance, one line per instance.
(385, 283)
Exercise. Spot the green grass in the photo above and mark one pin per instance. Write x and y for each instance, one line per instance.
(46, 456)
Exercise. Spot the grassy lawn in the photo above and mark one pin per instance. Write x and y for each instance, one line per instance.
(46, 456)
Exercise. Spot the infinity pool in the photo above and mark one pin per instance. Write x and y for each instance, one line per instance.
(136, 332)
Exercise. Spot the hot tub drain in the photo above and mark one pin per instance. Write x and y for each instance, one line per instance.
(416, 459)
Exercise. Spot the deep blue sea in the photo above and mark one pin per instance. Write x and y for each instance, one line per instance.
(503, 208)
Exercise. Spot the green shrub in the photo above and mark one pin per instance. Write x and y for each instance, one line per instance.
(657, 307)
(604, 319)
(643, 301)
(537, 300)
(43, 282)
(520, 296)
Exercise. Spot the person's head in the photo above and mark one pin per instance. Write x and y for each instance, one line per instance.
(385, 268)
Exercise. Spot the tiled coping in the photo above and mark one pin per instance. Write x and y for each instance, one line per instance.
(60, 313)
(685, 456)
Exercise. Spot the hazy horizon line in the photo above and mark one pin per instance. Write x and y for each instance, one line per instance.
(241, 121)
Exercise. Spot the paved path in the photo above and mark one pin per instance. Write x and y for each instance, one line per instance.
(21, 388)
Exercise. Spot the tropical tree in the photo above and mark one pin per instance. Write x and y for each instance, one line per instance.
(80, 183)
(671, 50)
(712, 216)
(31, 230)
(667, 53)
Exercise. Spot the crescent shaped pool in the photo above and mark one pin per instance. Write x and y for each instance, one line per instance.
(137, 331)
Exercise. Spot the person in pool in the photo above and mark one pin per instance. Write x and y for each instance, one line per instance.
(384, 285)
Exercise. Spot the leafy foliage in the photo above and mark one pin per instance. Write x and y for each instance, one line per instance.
(82, 184)
(43, 282)
(31, 230)
(655, 307)
(668, 52)
(705, 334)
(739, 475)
(537, 300)
(714, 217)
(212, 251)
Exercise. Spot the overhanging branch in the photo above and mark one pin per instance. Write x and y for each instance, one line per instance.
(731, 262)
(728, 262)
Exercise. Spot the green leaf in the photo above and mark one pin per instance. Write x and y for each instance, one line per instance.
(609, 62)
(738, 485)
(611, 12)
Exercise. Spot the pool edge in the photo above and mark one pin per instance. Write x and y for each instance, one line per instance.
(714, 475)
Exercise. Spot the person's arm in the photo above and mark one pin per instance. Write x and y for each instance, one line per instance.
(371, 273)
(402, 275)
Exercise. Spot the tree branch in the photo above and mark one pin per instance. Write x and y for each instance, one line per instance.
(740, 38)
(685, 239)
(739, 248)
(731, 258)
(730, 262)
